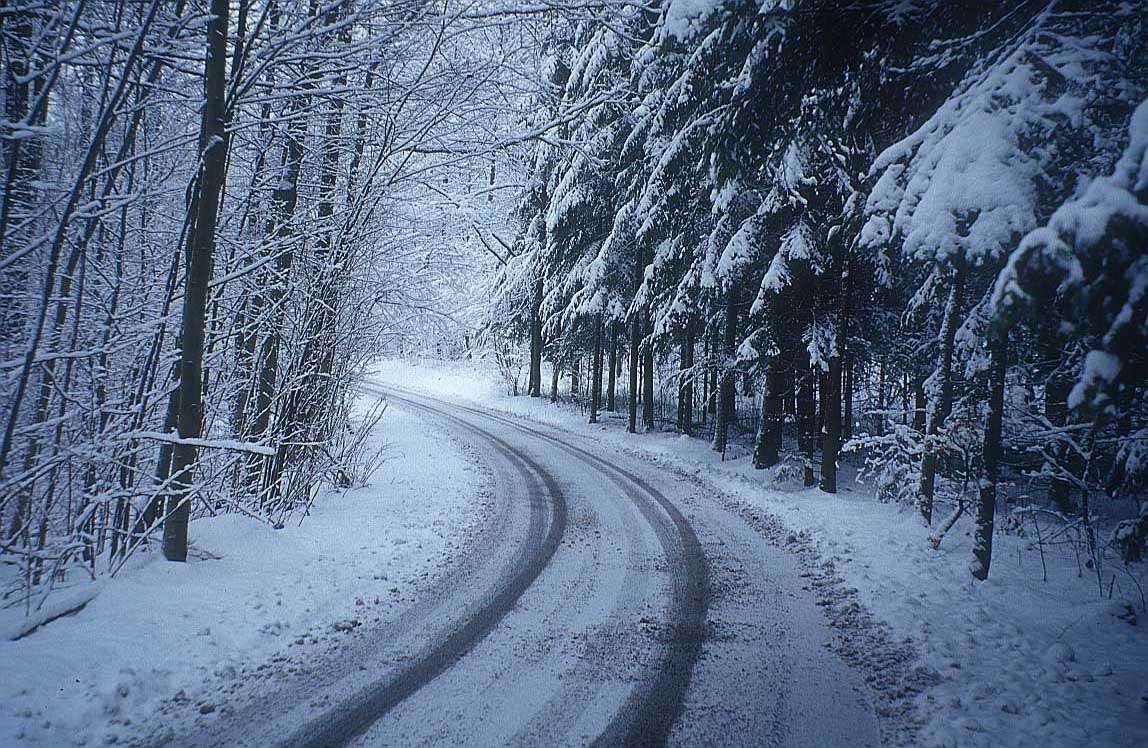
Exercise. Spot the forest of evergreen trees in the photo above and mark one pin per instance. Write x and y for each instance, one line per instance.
(916, 232)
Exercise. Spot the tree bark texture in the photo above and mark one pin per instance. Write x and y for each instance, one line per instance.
(685, 420)
(943, 403)
(987, 494)
(596, 375)
(726, 384)
(200, 257)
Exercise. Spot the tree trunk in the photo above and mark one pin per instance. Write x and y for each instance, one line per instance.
(831, 406)
(767, 445)
(918, 403)
(726, 385)
(807, 415)
(847, 400)
(555, 374)
(635, 342)
(822, 381)
(647, 380)
(611, 386)
(986, 506)
(686, 380)
(534, 382)
(596, 374)
(281, 234)
(831, 436)
(200, 256)
(712, 400)
(883, 397)
(247, 315)
(707, 366)
(943, 404)
(153, 513)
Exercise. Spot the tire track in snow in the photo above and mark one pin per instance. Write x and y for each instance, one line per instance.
(649, 713)
(350, 719)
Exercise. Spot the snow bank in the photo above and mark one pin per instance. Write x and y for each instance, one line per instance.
(1017, 661)
(247, 593)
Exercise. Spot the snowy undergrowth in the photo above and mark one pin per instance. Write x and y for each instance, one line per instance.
(1014, 661)
(248, 594)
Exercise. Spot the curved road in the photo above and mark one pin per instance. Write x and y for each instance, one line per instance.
(604, 603)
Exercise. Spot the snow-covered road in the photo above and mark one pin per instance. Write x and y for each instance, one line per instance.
(605, 602)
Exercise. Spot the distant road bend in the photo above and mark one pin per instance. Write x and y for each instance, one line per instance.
(607, 602)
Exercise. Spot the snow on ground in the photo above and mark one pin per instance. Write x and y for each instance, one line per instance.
(1014, 661)
(248, 593)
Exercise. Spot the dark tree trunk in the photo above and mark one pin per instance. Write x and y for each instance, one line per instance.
(712, 387)
(807, 415)
(686, 380)
(596, 374)
(883, 399)
(832, 394)
(647, 380)
(918, 403)
(791, 393)
(831, 437)
(555, 375)
(534, 381)
(726, 385)
(281, 233)
(200, 256)
(155, 508)
(822, 388)
(986, 505)
(767, 445)
(887, 390)
(611, 386)
(943, 404)
(703, 412)
(248, 312)
(847, 400)
(635, 342)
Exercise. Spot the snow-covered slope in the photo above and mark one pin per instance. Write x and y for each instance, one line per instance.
(249, 593)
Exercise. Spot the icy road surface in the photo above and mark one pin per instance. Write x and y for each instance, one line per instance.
(605, 602)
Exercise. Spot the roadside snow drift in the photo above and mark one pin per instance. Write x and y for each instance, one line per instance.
(247, 593)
